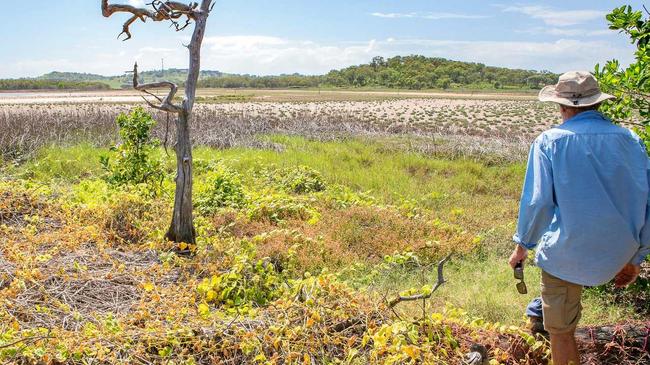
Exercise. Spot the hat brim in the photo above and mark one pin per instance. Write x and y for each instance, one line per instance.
(548, 94)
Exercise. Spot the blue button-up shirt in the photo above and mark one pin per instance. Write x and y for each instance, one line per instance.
(585, 200)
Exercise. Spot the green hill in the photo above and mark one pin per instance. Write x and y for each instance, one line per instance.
(419, 72)
(410, 72)
(72, 76)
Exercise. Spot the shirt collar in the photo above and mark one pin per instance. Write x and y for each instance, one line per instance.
(589, 114)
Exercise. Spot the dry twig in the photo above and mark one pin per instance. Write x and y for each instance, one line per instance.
(424, 296)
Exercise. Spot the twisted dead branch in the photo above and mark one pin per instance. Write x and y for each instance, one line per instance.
(423, 296)
(167, 10)
(166, 104)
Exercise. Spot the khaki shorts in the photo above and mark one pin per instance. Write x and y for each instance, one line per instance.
(560, 304)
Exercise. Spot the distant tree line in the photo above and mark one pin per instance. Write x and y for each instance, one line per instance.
(261, 82)
(411, 72)
(37, 84)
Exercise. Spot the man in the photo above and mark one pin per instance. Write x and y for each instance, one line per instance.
(584, 207)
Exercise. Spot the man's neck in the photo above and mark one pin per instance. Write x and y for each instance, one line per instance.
(568, 114)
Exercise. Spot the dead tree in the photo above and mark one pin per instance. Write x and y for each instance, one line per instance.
(180, 16)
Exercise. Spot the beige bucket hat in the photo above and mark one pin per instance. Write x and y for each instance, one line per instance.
(575, 89)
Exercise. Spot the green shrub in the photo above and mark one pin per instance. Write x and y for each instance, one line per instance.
(277, 207)
(127, 216)
(125, 213)
(298, 180)
(223, 189)
(630, 84)
(249, 282)
(91, 194)
(133, 161)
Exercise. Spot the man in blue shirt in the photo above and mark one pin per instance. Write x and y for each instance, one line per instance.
(584, 207)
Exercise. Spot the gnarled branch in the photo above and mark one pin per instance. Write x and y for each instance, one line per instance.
(441, 280)
(162, 10)
(166, 104)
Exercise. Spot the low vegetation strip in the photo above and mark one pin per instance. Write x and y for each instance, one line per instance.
(35, 84)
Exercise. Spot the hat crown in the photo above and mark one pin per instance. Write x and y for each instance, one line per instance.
(577, 84)
(575, 89)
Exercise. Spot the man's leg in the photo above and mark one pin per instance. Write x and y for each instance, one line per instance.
(535, 318)
(562, 311)
(564, 349)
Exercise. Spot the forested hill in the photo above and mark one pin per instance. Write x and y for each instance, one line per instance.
(72, 76)
(419, 72)
(410, 72)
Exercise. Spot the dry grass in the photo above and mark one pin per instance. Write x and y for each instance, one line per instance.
(459, 127)
(343, 237)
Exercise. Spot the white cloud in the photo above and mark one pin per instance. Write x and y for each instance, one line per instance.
(270, 55)
(265, 55)
(554, 17)
(432, 16)
(558, 56)
(567, 32)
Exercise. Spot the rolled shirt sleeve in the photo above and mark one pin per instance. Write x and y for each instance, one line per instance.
(644, 250)
(537, 207)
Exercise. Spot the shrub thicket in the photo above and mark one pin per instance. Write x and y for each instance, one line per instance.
(223, 189)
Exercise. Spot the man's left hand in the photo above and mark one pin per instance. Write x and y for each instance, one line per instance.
(627, 275)
(519, 255)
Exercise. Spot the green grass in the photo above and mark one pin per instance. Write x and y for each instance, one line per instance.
(62, 163)
(387, 171)
(485, 288)
(480, 197)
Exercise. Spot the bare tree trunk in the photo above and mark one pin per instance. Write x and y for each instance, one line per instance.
(182, 226)
(181, 229)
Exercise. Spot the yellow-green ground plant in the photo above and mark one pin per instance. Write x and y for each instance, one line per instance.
(298, 252)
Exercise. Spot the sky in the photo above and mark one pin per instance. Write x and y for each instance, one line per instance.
(266, 37)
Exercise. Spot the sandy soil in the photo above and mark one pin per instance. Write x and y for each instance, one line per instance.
(234, 95)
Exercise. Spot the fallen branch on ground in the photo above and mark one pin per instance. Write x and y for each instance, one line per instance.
(423, 296)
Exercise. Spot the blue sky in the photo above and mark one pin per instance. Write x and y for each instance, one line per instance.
(313, 37)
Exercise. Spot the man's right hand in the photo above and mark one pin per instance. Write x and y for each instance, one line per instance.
(519, 255)
(627, 275)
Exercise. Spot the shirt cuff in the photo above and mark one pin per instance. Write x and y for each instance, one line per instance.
(528, 246)
(638, 259)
